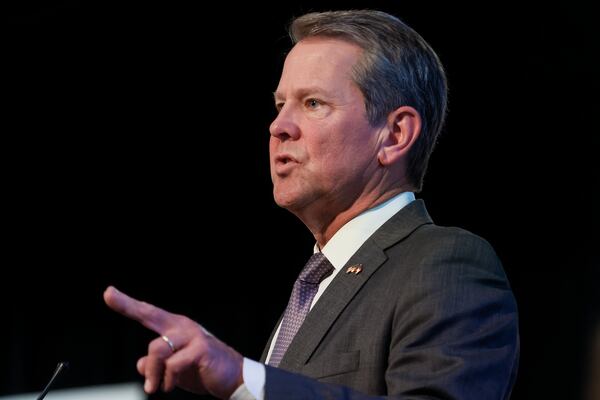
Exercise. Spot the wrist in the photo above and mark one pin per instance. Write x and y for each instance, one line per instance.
(236, 377)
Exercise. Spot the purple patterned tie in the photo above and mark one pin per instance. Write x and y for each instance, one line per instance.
(316, 269)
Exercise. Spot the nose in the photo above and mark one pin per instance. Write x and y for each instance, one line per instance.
(284, 126)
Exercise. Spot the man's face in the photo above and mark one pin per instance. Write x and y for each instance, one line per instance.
(322, 148)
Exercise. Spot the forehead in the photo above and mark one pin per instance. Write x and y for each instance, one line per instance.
(318, 61)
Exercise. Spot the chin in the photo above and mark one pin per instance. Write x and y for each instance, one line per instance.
(286, 199)
(282, 200)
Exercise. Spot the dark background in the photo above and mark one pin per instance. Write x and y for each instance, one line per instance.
(134, 147)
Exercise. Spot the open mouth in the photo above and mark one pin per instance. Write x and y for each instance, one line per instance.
(284, 163)
(284, 159)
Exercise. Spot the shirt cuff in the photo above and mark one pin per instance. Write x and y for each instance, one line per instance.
(253, 388)
(242, 393)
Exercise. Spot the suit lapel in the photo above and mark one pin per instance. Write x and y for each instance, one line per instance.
(345, 286)
(333, 301)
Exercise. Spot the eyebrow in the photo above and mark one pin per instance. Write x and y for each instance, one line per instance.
(316, 90)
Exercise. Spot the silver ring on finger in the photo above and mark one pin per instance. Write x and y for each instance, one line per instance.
(169, 343)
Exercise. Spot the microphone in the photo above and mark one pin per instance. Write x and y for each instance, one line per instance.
(61, 366)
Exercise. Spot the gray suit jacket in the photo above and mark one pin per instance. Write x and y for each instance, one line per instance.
(431, 316)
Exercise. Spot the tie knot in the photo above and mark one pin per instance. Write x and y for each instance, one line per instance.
(316, 269)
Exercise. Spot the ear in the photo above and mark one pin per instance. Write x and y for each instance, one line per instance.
(402, 129)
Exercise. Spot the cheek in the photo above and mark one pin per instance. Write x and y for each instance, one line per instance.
(325, 166)
(348, 156)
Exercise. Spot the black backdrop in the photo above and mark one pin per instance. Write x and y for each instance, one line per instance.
(135, 154)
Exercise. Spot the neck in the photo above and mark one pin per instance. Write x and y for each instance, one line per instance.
(323, 225)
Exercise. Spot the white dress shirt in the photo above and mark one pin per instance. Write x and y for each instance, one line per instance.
(344, 243)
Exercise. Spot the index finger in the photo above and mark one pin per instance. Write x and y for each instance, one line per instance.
(152, 317)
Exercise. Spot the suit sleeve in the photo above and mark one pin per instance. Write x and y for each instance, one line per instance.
(454, 335)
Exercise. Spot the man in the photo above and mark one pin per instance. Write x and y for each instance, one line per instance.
(401, 307)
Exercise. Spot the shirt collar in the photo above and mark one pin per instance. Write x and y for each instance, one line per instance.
(348, 239)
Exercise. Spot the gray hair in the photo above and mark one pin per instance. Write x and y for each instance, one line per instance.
(398, 68)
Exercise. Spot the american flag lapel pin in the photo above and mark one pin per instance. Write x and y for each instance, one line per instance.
(354, 269)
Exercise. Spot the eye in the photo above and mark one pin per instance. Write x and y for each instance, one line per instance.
(312, 103)
(279, 106)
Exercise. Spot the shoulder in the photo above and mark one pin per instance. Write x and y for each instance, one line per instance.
(437, 256)
(435, 239)
(413, 226)
(418, 250)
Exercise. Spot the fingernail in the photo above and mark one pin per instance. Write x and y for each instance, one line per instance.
(147, 386)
